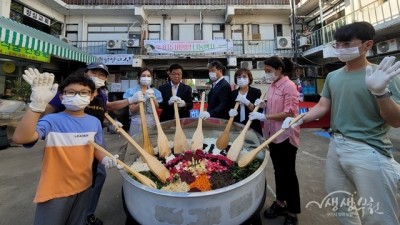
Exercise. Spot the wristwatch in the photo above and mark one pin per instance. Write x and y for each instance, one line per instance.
(386, 95)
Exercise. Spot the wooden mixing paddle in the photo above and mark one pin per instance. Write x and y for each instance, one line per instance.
(198, 137)
(223, 139)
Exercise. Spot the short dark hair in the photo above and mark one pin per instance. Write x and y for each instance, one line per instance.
(285, 63)
(218, 65)
(174, 67)
(240, 71)
(360, 30)
(144, 69)
(78, 77)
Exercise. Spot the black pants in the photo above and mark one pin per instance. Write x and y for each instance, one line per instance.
(283, 157)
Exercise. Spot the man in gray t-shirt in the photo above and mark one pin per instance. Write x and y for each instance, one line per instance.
(364, 100)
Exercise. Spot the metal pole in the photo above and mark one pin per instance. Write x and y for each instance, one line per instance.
(294, 33)
(321, 15)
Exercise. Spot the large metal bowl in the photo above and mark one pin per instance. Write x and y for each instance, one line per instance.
(233, 204)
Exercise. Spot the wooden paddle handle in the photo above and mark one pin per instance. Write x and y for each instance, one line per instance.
(247, 158)
(143, 179)
(121, 131)
(146, 140)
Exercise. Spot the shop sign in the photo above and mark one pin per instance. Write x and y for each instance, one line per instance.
(36, 16)
(223, 46)
(21, 52)
(116, 59)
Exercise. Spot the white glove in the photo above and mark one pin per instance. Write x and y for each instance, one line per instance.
(260, 103)
(150, 93)
(242, 99)
(137, 97)
(257, 116)
(233, 113)
(30, 74)
(204, 115)
(116, 126)
(286, 123)
(173, 99)
(181, 103)
(378, 81)
(110, 162)
(43, 89)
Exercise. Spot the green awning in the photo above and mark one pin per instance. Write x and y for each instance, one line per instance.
(27, 37)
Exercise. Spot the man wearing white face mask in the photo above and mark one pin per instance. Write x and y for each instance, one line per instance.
(219, 97)
(246, 95)
(143, 92)
(364, 100)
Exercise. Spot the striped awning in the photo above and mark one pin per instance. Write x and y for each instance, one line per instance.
(27, 37)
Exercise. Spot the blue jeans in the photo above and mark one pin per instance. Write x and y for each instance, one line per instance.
(362, 184)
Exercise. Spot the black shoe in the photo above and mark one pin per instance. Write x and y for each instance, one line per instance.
(291, 220)
(92, 220)
(275, 210)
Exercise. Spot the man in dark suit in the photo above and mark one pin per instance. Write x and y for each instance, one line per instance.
(219, 97)
(175, 91)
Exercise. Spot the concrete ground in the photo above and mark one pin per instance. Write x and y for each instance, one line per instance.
(20, 170)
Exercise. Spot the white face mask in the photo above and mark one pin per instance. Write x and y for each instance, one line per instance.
(270, 77)
(242, 82)
(347, 54)
(145, 81)
(213, 76)
(75, 103)
(98, 82)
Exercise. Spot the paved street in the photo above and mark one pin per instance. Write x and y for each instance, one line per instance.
(20, 170)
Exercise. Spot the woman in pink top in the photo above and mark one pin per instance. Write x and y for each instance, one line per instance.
(282, 102)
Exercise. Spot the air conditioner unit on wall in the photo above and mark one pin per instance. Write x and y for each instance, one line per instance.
(387, 46)
(283, 42)
(130, 43)
(246, 65)
(304, 41)
(114, 44)
(64, 39)
(260, 65)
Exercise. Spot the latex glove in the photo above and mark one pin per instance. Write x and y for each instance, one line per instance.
(378, 81)
(204, 115)
(259, 102)
(257, 116)
(286, 123)
(173, 99)
(181, 103)
(233, 113)
(43, 89)
(110, 162)
(137, 97)
(242, 99)
(150, 93)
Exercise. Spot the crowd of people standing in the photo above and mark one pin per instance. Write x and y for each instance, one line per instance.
(363, 98)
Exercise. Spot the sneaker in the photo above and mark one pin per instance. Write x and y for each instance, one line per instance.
(291, 220)
(92, 220)
(275, 210)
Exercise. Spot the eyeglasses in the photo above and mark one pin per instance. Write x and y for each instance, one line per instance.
(346, 44)
(176, 74)
(73, 93)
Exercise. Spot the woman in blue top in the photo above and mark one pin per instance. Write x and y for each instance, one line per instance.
(142, 93)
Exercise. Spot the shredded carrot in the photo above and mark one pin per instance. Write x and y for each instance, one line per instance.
(201, 182)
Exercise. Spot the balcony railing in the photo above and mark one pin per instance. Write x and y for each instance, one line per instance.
(242, 48)
(376, 13)
(177, 2)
